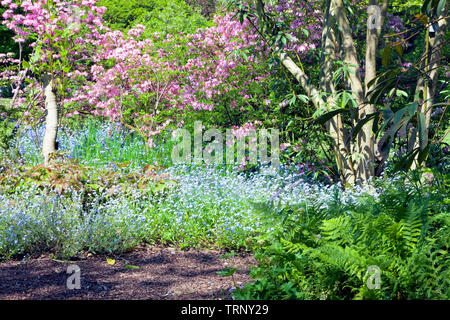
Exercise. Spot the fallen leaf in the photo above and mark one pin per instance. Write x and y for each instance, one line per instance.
(130, 267)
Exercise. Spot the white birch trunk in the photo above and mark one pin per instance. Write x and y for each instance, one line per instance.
(51, 119)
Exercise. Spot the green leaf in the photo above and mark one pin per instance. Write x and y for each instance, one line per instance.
(446, 139)
(26, 64)
(386, 55)
(398, 116)
(412, 109)
(303, 98)
(423, 137)
(376, 123)
(388, 117)
(227, 272)
(377, 93)
(259, 7)
(399, 49)
(400, 93)
(406, 162)
(306, 32)
(329, 115)
(361, 123)
(374, 80)
(440, 7)
(131, 267)
(422, 156)
(426, 6)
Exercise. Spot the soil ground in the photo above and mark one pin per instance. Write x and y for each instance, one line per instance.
(163, 274)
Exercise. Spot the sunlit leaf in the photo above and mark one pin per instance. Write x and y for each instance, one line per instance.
(423, 137)
(131, 267)
(386, 55)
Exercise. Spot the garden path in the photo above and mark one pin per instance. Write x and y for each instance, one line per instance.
(163, 274)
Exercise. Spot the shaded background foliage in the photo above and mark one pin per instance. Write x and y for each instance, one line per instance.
(156, 15)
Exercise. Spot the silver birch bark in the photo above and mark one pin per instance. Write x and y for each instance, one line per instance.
(51, 119)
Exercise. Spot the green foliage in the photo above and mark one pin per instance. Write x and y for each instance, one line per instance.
(7, 126)
(97, 144)
(66, 176)
(410, 5)
(164, 16)
(7, 43)
(325, 253)
(123, 14)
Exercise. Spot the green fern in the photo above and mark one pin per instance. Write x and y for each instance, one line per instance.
(324, 254)
(413, 223)
(339, 230)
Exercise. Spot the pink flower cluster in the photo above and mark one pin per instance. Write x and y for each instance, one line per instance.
(221, 62)
(244, 130)
(42, 18)
(304, 20)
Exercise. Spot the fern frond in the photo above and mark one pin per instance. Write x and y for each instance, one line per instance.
(412, 224)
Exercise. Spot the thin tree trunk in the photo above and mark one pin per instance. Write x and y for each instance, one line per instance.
(362, 168)
(51, 119)
(303, 79)
(364, 144)
(335, 127)
(427, 82)
(372, 40)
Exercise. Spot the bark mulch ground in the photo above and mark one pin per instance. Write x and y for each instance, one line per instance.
(163, 274)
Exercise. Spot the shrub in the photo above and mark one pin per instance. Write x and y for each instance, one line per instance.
(324, 253)
(164, 16)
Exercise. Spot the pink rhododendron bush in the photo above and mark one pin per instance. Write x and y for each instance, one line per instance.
(132, 81)
(223, 66)
(156, 81)
(303, 21)
(146, 83)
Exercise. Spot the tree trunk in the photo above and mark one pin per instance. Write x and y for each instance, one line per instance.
(361, 168)
(341, 145)
(372, 41)
(427, 82)
(335, 127)
(364, 146)
(51, 119)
